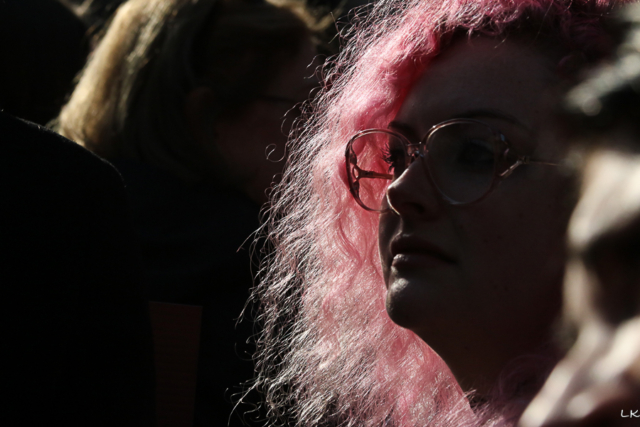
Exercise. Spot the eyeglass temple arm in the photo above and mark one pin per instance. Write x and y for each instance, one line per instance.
(525, 160)
(370, 174)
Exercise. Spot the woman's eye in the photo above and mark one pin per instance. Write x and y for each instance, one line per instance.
(475, 155)
(394, 158)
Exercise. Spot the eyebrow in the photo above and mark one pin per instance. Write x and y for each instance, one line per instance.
(494, 114)
(405, 129)
(409, 131)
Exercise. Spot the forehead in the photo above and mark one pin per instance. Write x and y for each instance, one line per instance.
(481, 74)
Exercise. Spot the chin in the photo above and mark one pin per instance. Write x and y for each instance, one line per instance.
(431, 310)
(405, 306)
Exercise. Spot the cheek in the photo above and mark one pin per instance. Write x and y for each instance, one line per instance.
(268, 134)
(526, 215)
(273, 144)
(253, 144)
(520, 235)
(519, 254)
(386, 229)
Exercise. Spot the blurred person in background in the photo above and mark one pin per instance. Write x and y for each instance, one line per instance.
(43, 46)
(598, 382)
(94, 13)
(187, 99)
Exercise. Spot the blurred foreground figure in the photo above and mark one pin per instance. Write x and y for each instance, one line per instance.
(76, 342)
(187, 99)
(43, 46)
(598, 382)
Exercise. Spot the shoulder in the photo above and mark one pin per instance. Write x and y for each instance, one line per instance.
(33, 156)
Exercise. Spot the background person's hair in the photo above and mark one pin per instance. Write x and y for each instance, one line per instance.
(94, 13)
(611, 95)
(129, 102)
(328, 354)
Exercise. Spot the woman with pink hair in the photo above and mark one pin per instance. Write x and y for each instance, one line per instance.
(418, 232)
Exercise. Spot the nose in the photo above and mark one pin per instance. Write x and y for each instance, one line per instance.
(413, 193)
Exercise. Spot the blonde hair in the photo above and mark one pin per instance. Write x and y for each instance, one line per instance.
(129, 100)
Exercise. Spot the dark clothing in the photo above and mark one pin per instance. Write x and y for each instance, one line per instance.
(190, 237)
(77, 345)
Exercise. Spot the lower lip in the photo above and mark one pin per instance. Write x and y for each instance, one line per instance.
(418, 260)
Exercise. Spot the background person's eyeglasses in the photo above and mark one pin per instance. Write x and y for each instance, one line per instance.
(463, 158)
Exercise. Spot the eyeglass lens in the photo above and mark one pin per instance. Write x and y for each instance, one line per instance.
(460, 158)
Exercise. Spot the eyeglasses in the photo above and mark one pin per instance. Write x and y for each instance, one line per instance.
(464, 159)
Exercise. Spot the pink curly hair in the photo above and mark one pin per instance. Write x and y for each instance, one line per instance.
(328, 354)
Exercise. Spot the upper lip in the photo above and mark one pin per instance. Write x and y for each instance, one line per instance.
(410, 244)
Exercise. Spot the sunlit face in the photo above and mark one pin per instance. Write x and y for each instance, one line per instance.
(481, 283)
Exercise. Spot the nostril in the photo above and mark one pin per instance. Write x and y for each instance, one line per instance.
(412, 194)
(403, 207)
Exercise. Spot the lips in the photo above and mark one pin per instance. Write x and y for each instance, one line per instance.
(414, 251)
